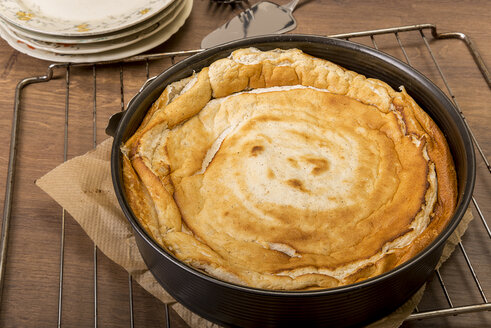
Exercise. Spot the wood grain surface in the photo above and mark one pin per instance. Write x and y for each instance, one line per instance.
(30, 294)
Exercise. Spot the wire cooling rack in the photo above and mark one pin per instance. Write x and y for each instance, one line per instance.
(438, 297)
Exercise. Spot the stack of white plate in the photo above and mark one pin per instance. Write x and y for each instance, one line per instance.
(81, 31)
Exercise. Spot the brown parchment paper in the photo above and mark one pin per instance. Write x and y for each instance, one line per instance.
(83, 187)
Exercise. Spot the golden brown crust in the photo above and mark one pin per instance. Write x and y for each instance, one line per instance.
(439, 153)
(332, 180)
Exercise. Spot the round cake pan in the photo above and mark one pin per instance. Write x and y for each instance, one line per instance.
(353, 305)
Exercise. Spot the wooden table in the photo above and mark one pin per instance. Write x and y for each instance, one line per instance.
(30, 295)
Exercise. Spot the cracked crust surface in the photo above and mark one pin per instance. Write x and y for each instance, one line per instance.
(280, 170)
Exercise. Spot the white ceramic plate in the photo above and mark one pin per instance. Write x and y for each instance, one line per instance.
(91, 48)
(145, 25)
(78, 17)
(136, 48)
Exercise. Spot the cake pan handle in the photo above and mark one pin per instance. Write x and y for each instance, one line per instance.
(113, 123)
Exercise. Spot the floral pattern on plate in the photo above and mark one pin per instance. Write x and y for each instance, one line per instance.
(89, 48)
(44, 20)
(153, 21)
(134, 49)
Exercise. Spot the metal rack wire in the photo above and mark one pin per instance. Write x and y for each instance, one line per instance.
(452, 309)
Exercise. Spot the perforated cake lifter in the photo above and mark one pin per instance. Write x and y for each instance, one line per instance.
(263, 18)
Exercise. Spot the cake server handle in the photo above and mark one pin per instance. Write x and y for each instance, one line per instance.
(291, 5)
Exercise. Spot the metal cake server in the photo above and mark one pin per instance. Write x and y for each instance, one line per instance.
(263, 18)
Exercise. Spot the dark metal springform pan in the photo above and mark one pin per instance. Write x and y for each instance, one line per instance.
(353, 305)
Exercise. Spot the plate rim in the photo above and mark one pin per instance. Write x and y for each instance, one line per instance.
(139, 47)
(91, 38)
(16, 15)
(109, 46)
